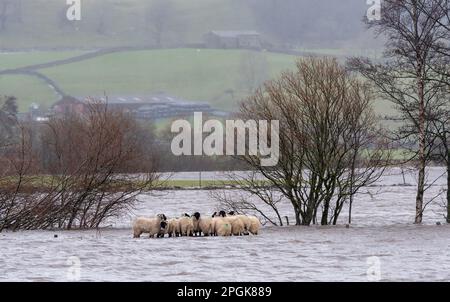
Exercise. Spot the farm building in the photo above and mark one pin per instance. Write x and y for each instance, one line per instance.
(142, 107)
(67, 105)
(233, 39)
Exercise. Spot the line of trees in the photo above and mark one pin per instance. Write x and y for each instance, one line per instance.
(73, 171)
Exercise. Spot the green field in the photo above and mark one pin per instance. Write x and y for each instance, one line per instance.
(214, 76)
(219, 77)
(27, 90)
(14, 60)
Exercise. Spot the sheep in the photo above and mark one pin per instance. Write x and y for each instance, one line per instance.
(173, 227)
(163, 230)
(186, 226)
(202, 225)
(245, 221)
(237, 225)
(221, 225)
(152, 226)
(255, 225)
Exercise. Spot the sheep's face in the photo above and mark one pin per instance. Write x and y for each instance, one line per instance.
(222, 213)
(162, 217)
(214, 214)
(232, 213)
(163, 225)
(196, 215)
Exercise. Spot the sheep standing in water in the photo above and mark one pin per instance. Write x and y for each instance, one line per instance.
(246, 221)
(255, 225)
(186, 226)
(163, 230)
(202, 225)
(152, 226)
(221, 225)
(173, 227)
(237, 225)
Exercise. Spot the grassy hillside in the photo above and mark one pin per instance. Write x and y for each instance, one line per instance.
(27, 90)
(214, 76)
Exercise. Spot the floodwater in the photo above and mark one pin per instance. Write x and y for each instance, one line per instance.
(381, 245)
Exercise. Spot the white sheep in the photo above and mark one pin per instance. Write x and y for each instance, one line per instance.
(186, 226)
(245, 222)
(152, 226)
(202, 224)
(221, 225)
(255, 225)
(173, 227)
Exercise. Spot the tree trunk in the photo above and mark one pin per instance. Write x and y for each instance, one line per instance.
(352, 182)
(448, 186)
(422, 141)
(298, 221)
(350, 210)
(326, 208)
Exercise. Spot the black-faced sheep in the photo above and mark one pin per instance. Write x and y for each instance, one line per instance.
(202, 224)
(163, 230)
(221, 225)
(152, 226)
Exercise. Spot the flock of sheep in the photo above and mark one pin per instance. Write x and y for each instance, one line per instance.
(220, 224)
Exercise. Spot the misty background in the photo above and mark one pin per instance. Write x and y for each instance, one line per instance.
(42, 24)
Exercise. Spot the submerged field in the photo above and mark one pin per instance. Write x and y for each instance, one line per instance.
(382, 229)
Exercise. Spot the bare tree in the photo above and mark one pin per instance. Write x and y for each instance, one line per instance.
(89, 178)
(441, 114)
(329, 145)
(407, 77)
